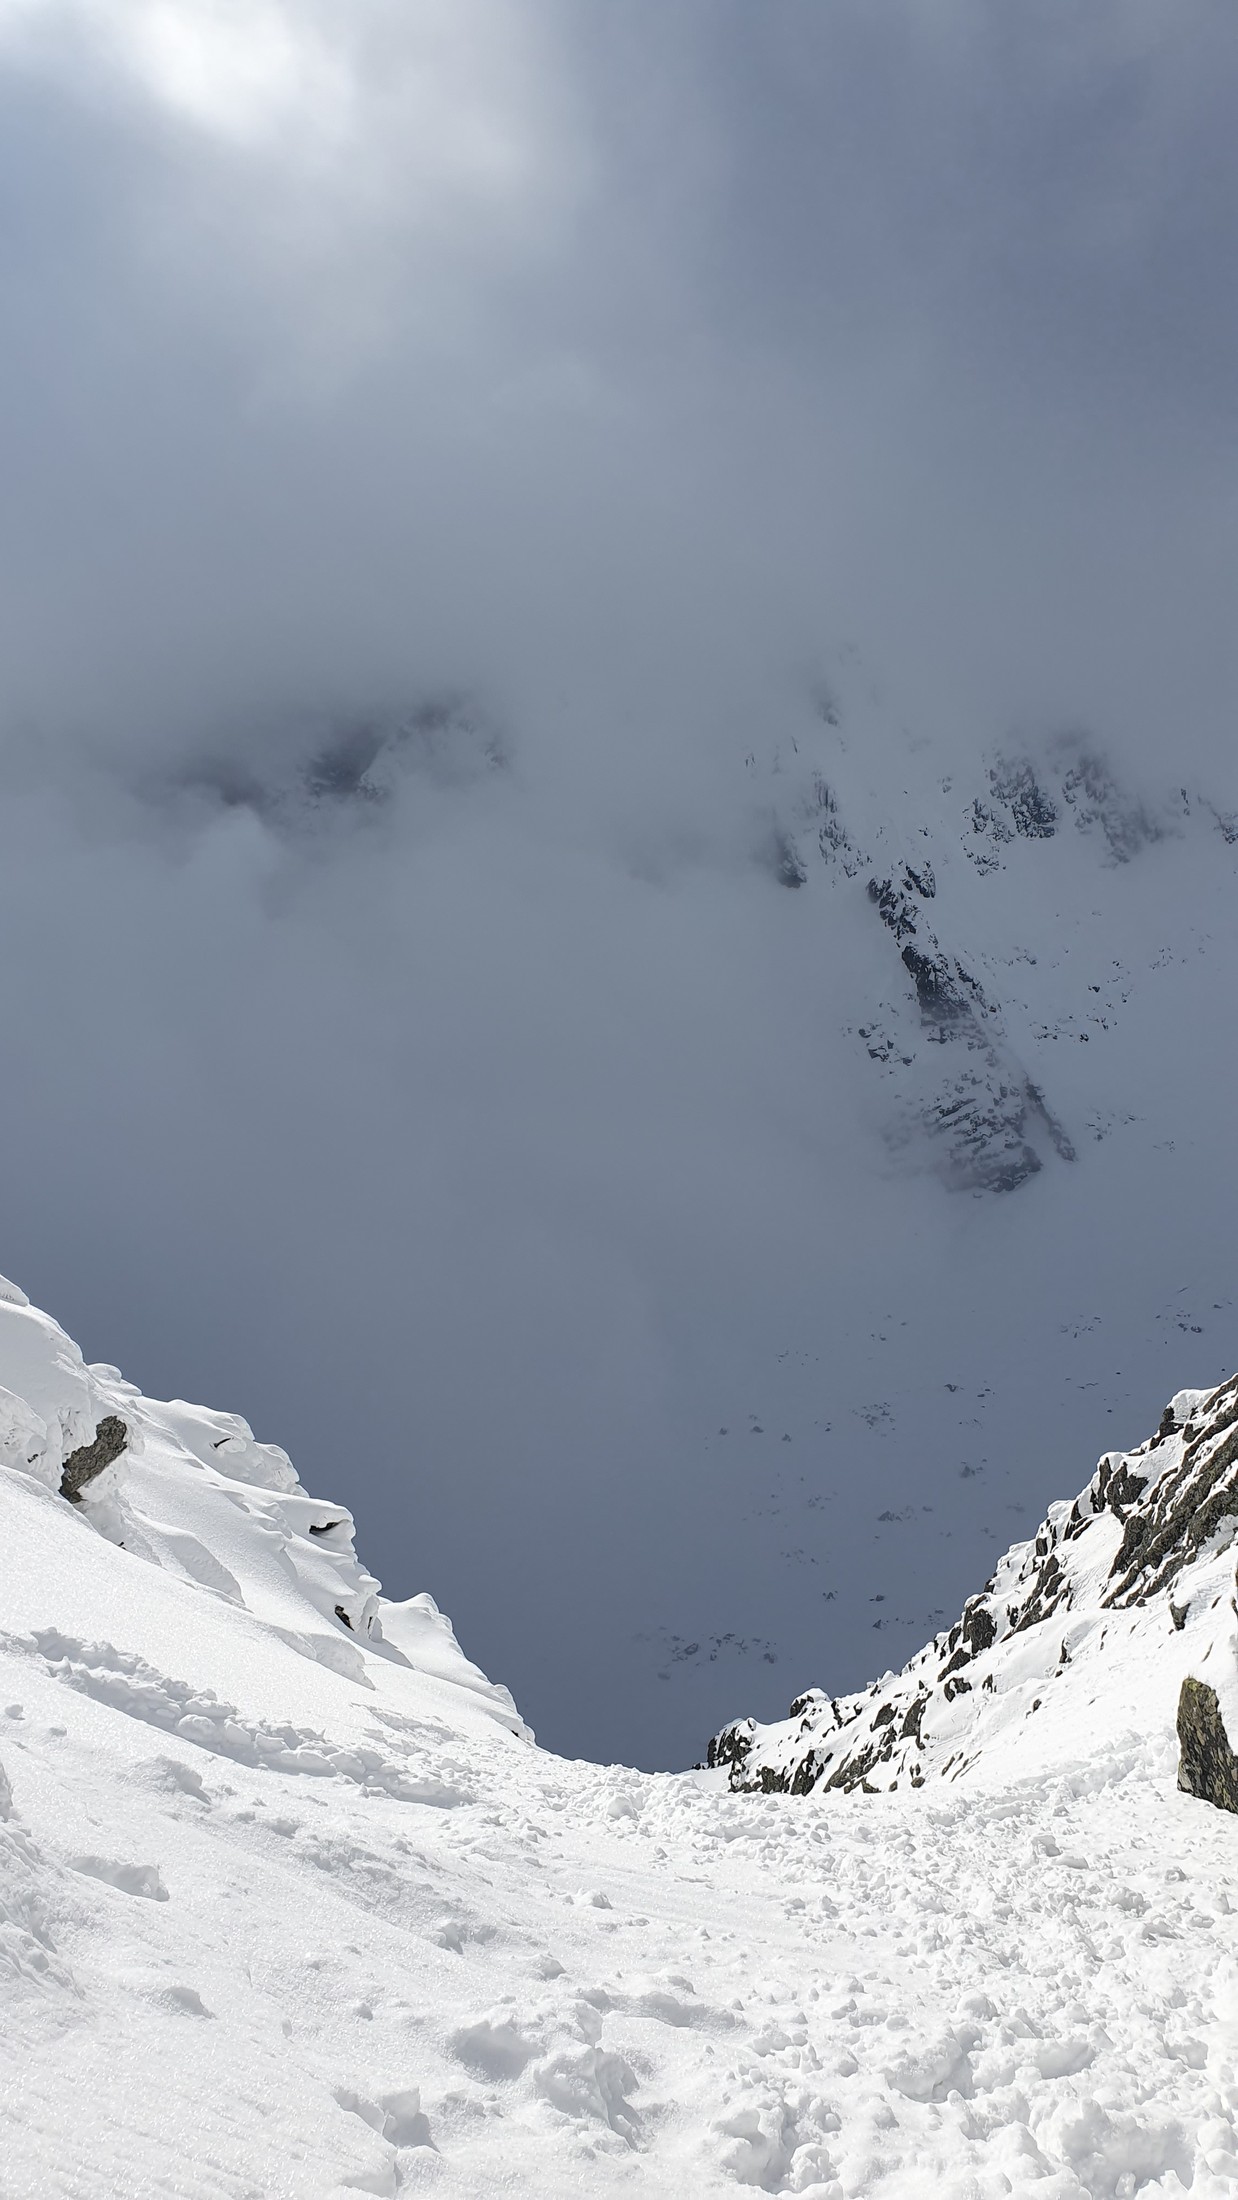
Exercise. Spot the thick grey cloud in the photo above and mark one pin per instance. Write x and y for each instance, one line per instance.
(470, 336)
(612, 369)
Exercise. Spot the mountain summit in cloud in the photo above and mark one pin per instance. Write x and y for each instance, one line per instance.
(604, 615)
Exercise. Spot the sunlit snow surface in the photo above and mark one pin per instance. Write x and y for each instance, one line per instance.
(287, 1908)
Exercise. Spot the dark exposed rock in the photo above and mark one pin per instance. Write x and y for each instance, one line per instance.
(983, 1119)
(988, 832)
(731, 1747)
(1031, 810)
(944, 990)
(880, 1047)
(979, 1626)
(1094, 796)
(1049, 1589)
(1166, 1509)
(853, 1771)
(83, 1465)
(893, 908)
(1124, 1489)
(1187, 1508)
(1207, 1766)
(910, 1728)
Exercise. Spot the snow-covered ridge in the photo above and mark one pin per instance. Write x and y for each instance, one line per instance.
(1083, 1633)
(194, 1495)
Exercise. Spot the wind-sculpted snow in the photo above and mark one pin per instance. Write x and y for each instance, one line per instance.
(274, 1921)
(196, 1715)
(1095, 1622)
(193, 1494)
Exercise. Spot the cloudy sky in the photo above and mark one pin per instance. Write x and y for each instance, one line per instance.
(610, 370)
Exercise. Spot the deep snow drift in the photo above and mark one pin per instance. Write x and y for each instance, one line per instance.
(292, 1905)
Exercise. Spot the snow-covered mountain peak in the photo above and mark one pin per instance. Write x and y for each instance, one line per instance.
(999, 875)
(1086, 1631)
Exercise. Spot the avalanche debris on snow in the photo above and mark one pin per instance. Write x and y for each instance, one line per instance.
(262, 1958)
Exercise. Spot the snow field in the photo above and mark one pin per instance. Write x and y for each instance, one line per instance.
(578, 1980)
(291, 1906)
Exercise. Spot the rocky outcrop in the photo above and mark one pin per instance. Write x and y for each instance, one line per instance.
(1207, 1766)
(1188, 1505)
(83, 1465)
(1090, 790)
(1019, 794)
(1138, 1567)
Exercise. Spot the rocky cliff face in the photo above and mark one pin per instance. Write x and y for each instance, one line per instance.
(1119, 1610)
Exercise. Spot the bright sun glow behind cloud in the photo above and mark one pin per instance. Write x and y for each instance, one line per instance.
(243, 71)
(327, 176)
(444, 90)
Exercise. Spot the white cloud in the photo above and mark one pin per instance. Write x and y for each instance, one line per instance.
(430, 95)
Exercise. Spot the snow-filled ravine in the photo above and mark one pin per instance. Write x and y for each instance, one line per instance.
(292, 1905)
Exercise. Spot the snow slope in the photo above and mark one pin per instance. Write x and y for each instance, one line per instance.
(291, 1904)
(1095, 1622)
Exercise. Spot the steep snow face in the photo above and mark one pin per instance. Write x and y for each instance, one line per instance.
(1011, 941)
(1084, 1633)
(195, 1496)
(291, 1904)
